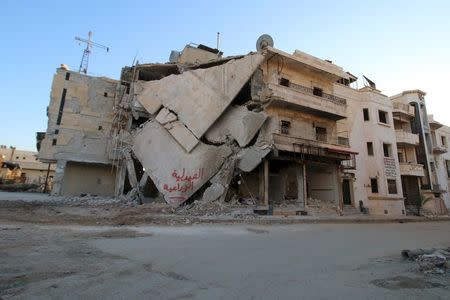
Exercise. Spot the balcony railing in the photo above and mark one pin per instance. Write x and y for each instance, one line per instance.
(310, 91)
(411, 169)
(404, 137)
(315, 139)
(405, 108)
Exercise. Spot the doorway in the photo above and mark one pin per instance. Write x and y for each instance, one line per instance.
(346, 193)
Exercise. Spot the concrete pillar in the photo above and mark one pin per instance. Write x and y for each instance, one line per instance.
(261, 184)
(266, 182)
(59, 177)
(305, 192)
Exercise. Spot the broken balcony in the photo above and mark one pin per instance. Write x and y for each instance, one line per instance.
(315, 147)
(308, 100)
(411, 169)
(439, 149)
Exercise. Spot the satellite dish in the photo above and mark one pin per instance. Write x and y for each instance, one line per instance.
(263, 42)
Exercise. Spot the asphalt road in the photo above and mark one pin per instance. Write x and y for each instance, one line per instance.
(302, 261)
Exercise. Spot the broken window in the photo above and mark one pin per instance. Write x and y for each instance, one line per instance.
(284, 82)
(67, 76)
(382, 117)
(100, 127)
(370, 148)
(392, 186)
(54, 142)
(56, 131)
(374, 185)
(366, 114)
(321, 134)
(285, 126)
(317, 91)
(105, 94)
(387, 150)
(443, 141)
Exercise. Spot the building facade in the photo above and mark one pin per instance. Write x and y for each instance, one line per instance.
(276, 128)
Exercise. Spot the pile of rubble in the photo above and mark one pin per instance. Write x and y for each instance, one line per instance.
(199, 131)
(431, 261)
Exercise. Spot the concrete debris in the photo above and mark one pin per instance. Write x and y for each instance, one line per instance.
(176, 173)
(250, 158)
(182, 135)
(238, 122)
(202, 92)
(431, 261)
(165, 116)
(213, 192)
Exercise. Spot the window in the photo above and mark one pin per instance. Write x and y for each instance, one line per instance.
(24, 157)
(370, 148)
(100, 127)
(105, 94)
(433, 169)
(374, 185)
(443, 141)
(56, 131)
(321, 134)
(67, 76)
(387, 150)
(383, 117)
(392, 186)
(54, 142)
(366, 114)
(284, 82)
(285, 126)
(17, 157)
(401, 157)
(447, 165)
(61, 107)
(317, 91)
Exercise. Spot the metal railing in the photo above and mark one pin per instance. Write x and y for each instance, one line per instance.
(310, 91)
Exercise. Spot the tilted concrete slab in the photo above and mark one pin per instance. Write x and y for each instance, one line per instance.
(165, 116)
(250, 158)
(182, 135)
(199, 97)
(176, 174)
(238, 122)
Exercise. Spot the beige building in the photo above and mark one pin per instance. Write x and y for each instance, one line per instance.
(23, 166)
(80, 114)
(284, 130)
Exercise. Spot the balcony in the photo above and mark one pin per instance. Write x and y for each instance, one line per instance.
(439, 149)
(406, 138)
(307, 100)
(403, 112)
(433, 123)
(411, 169)
(335, 147)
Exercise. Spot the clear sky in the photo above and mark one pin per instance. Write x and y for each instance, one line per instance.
(398, 44)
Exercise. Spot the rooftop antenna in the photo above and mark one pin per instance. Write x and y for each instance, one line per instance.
(89, 44)
(218, 40)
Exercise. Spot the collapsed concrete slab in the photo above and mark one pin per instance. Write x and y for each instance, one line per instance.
(182, 135)
(237, 122)
(201, 92)
(250, 158)
(220, 182)
(176, 174)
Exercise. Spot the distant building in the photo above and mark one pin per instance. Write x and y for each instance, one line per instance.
(23, 166)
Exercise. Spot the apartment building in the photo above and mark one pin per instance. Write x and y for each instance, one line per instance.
(80, 114)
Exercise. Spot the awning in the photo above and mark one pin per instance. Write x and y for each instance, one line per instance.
(337, 149)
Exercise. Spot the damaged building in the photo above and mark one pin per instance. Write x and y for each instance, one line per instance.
(273, 128)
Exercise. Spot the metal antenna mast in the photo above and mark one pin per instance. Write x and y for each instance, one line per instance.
(89, 44)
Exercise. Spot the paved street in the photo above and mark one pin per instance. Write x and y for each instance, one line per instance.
(303, 261)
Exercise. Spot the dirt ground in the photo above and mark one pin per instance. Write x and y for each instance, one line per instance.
(302, 261)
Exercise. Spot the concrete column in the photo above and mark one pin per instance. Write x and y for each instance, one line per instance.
(305, 192)
(266, 182)
(261, 184)
(59, 177)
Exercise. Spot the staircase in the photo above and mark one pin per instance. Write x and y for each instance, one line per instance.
(349, 210)
(411, 210)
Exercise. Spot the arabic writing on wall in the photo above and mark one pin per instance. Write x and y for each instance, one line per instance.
(183, 182)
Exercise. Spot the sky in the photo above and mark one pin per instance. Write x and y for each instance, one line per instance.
(401, 45)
